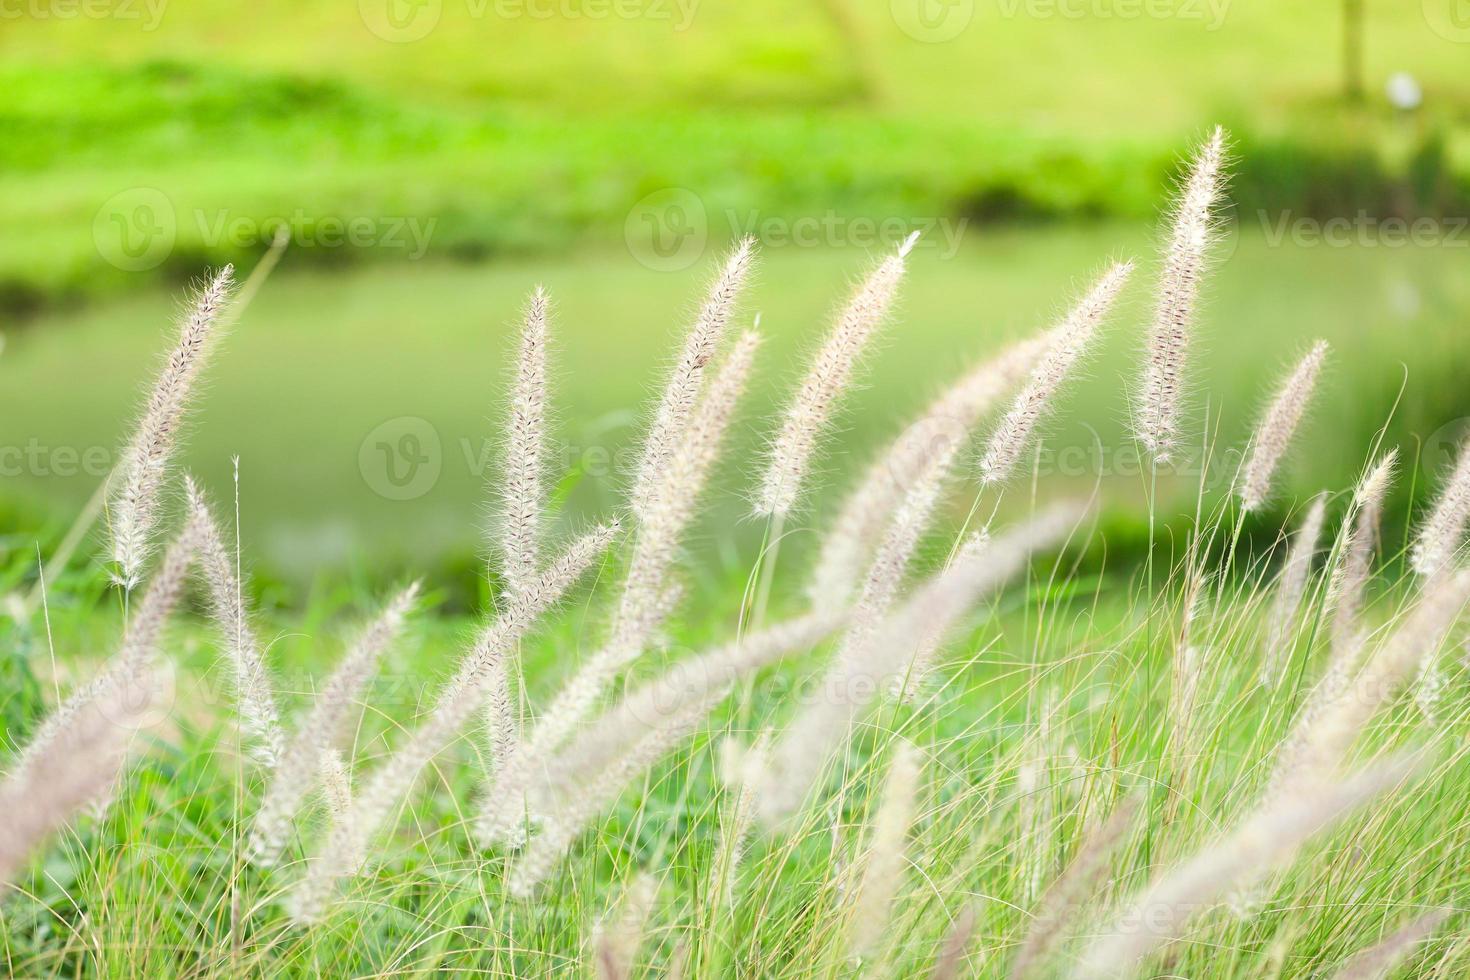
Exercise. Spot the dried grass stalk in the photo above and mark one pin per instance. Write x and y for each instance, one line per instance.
(81, 762)
(307, 755)
(646, 593)
(346, 848)
(1060, 905)
(1265, 839)
(827, 380)
(1070, 340)
(1158, 417)
(882, 875)
(947, 423)
(521, 492)
(1290, 590)
(1278, 426)
(133, 510)
(1440, 536)
(854, 682)
(260, 720)
(1378, 961)
(131, 667)
(682, 391)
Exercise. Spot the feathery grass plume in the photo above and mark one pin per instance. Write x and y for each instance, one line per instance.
(1290, 590)
(346, 848)
(681, 392)
(618, 938)
(827, 380)
(853, 682)
(1265, 839)
(1433, 554)
(956, 943)
(255, 700)
(522, 499)
(336, 784)
(1070, 340)
(133, 512)
(1429, 687)
(308, 753)
(948, 421)
(645, 598)
(736, 824)
(909, 682)
(1378, 961)
(682, 685)
(1350, 580)
(1186, 676)
(1330, 721)
(131, 666)
(1157, 417)
(1034, 800)
(907, 525)
(521, 492)
(882, 874)
(1273, 436)
(81, 763)
(566, 821)
(1060, 904)
(502, 724)
(1439, 537)
(896, 551)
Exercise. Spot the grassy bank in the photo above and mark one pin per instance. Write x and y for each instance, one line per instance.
(122, 176)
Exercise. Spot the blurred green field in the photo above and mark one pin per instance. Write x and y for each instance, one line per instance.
(509, 133)
(503, 148)
(317, 389)
(1026, 63)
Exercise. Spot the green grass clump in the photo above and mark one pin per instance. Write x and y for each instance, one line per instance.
(160, 886)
